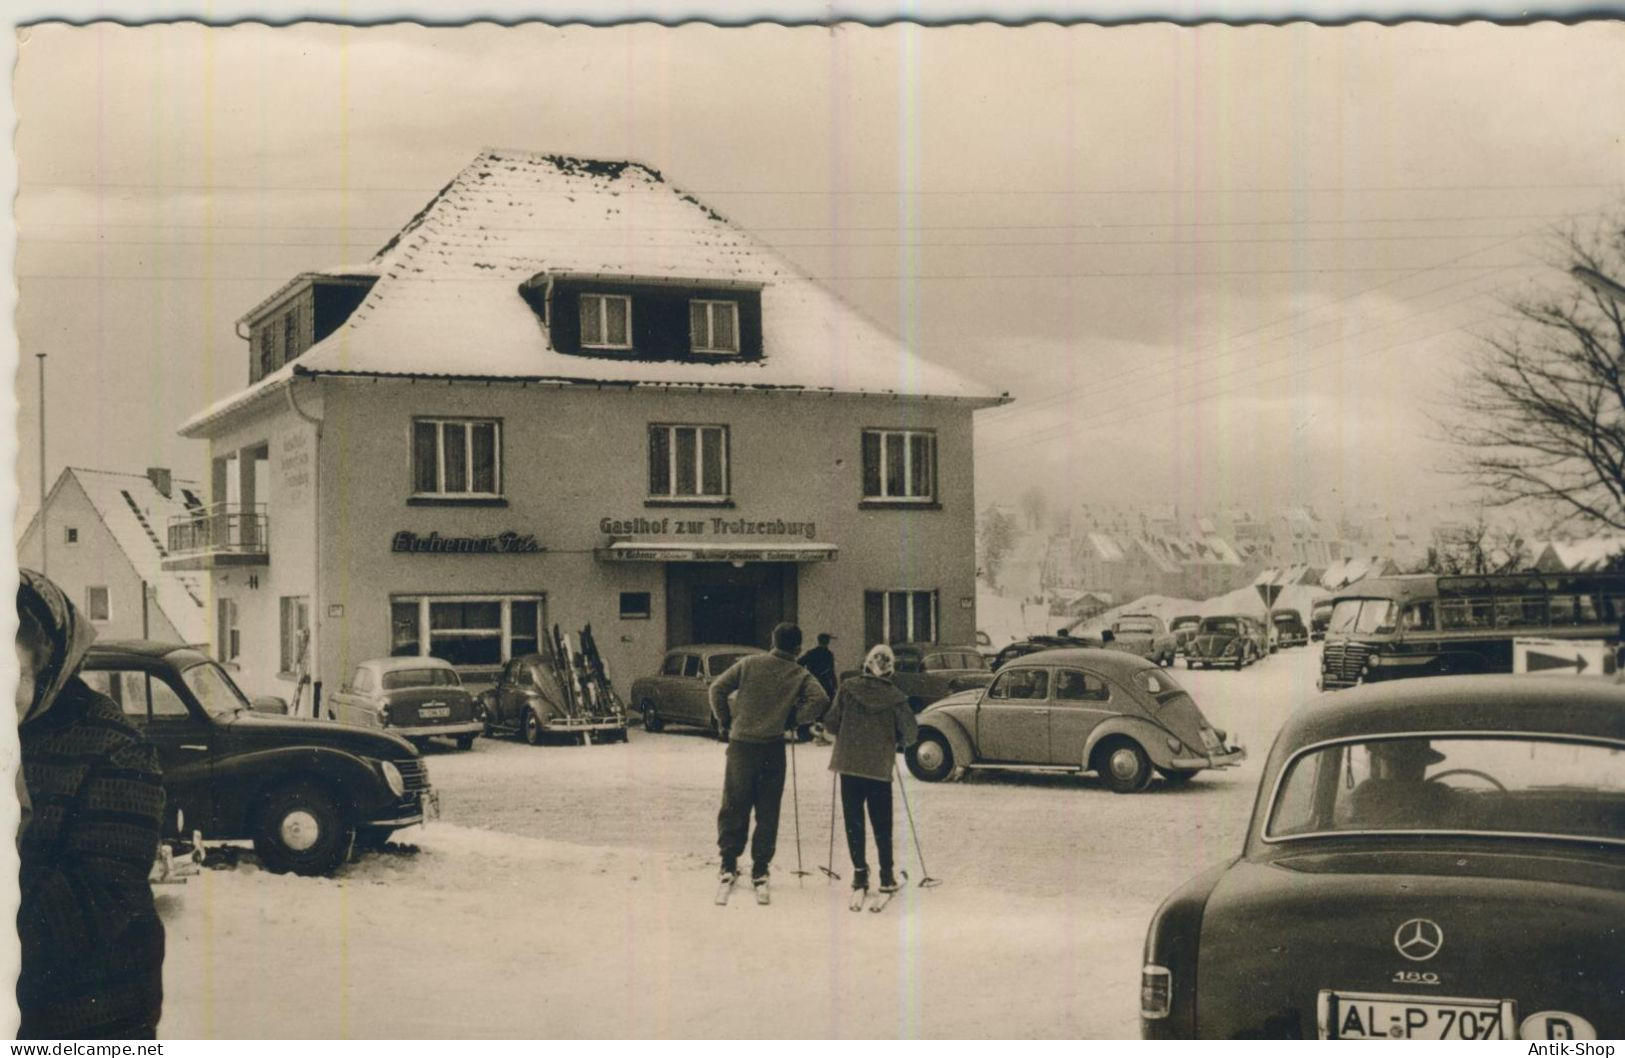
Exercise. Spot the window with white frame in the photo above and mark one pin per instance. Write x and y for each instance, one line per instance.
(904, 616)
(456, 457)
(688, 462)
(713, 326)
(228, 638)
(606, 321)
(900, 465)
(294, 632)
(98, 604)
(482, 631)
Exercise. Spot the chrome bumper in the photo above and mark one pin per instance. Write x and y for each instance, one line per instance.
(472, 727)
(1227, 759)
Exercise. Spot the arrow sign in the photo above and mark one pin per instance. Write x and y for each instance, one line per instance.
(1538, 662)
(1269, 593)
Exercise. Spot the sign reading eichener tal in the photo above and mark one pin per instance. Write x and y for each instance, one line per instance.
(508, 543)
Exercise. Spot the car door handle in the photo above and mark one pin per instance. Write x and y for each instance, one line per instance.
(195, 746)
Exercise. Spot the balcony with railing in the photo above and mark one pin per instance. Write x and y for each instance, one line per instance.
(221, 534)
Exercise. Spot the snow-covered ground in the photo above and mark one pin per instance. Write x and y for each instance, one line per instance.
(568, 892)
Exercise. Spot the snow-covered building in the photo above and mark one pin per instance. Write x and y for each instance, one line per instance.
(101, 536)
(567, 392)
(1593, 554)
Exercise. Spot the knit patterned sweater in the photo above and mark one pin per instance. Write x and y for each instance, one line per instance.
(92, 944)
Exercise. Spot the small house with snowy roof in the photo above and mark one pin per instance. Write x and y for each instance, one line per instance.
(568, 392)
(101, 536)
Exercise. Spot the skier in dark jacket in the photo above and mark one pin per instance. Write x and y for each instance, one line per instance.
(774, 696)
(92, 800)
(871, 722)
(820, 661)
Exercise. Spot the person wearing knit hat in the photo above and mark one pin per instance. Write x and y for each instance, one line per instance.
(871, 722)
(91, 942)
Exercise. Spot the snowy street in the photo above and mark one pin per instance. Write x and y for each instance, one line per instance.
(567, 891)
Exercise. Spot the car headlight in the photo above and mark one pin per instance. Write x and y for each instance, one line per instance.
(393, 778)
(1156, 992)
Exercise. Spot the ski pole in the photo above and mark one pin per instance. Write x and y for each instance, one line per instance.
(795, 801)
(926, 881)
(830, 870)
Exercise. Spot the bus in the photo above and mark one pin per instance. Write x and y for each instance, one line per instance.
(1389, 628)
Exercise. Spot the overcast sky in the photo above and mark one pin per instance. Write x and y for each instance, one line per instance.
(1213, 266)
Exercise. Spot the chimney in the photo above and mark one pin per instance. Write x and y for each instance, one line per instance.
(161, 480)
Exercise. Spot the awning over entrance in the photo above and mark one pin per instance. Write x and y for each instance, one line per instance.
(671, 551)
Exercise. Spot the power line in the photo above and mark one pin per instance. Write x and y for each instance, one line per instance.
(885, 278)
(1297, 222)
(999, 192)
(1019, 244)
(1174, 355)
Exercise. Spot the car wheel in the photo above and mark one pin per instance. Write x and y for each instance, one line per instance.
(533, 728)
(465, 742)
(1177, 776)
(301, 829)
(930, 759)
(651, 719)
(1123, 766)
(1189, 664)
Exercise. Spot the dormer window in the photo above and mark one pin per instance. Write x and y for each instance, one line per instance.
(606, 321)
(713, 326)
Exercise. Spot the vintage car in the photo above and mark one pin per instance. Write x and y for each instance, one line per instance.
(528, 700)
(1231, 640)
(1183, 628)
(927, 672)
(303, 790)
(1033, 644)
(415, 698)
(984, 644)
(681, 692)
(1427, 859)
(1320, 616)
(1289, 628)
(1145, 635)
(1084, 710)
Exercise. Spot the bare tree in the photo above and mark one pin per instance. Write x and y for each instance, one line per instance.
(997, 538)
(1542, 416)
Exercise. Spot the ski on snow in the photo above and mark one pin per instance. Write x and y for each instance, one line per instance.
(856, 903)
(725, 888)
(762, 895)
(885, 897)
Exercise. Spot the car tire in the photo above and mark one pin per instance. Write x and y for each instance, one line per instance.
(1177, 776)
(1189, 664)
(931, 759)
(531, 728)
(301, 829)
(651, 719)
(466, 742)
(1123, 766)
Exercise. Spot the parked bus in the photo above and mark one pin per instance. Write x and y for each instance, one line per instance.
(1390, 628)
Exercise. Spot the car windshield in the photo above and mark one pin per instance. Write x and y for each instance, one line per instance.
(1512, 784)
(213, 689)
(1136, 628)
(1363, 616)
(1222, 626)
(717, 664)
(1185, 622)
(405, 679)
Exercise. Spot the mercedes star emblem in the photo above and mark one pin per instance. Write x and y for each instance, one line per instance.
(1419, 939)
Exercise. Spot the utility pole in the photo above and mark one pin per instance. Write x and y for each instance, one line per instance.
(44, 531)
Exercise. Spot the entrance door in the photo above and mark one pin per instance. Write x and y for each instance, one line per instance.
(724, 613)
(717, 602)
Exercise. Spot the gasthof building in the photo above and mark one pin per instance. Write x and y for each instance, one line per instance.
(567, 392)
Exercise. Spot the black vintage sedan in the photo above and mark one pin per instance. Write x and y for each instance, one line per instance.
(1103, 711)
(1427, 859)
(302, 790)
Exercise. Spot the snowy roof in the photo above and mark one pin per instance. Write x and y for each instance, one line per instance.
(447, 301)
(1106, 546)
(137, 515)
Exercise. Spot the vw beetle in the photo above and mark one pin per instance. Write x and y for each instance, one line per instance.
(1118, 715)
